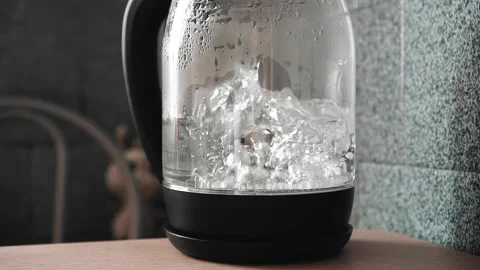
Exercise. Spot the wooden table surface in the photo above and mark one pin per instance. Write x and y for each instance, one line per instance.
(367, 250)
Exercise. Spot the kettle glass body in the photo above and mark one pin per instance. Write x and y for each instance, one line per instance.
(246, 110)
(258, 96)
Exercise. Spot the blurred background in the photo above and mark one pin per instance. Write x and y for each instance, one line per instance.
(418, 128)
(67, 53)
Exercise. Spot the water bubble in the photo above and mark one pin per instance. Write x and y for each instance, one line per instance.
(224, 21)
(246, 137)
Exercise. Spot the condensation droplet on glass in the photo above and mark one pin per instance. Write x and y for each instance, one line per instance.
(289, 33)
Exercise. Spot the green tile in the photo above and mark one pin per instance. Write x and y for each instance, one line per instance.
(442, 56)
(380, 104)
(439, 206)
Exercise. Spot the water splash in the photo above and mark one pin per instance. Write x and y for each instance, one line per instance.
(245, 137)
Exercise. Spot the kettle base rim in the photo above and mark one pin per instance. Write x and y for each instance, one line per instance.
(273, 251)
(258, 229)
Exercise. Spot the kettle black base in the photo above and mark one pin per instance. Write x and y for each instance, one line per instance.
(259, 229)
(276, 251)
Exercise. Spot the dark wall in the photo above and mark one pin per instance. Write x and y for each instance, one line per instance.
(68, 53)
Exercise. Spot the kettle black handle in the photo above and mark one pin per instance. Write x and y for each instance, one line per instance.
(141, 26)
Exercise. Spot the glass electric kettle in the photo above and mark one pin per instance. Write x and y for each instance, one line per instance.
(246, 108)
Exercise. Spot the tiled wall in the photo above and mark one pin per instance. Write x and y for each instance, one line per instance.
(69, 53)
(418, 119)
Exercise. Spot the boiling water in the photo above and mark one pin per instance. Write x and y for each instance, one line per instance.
(240, 136)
